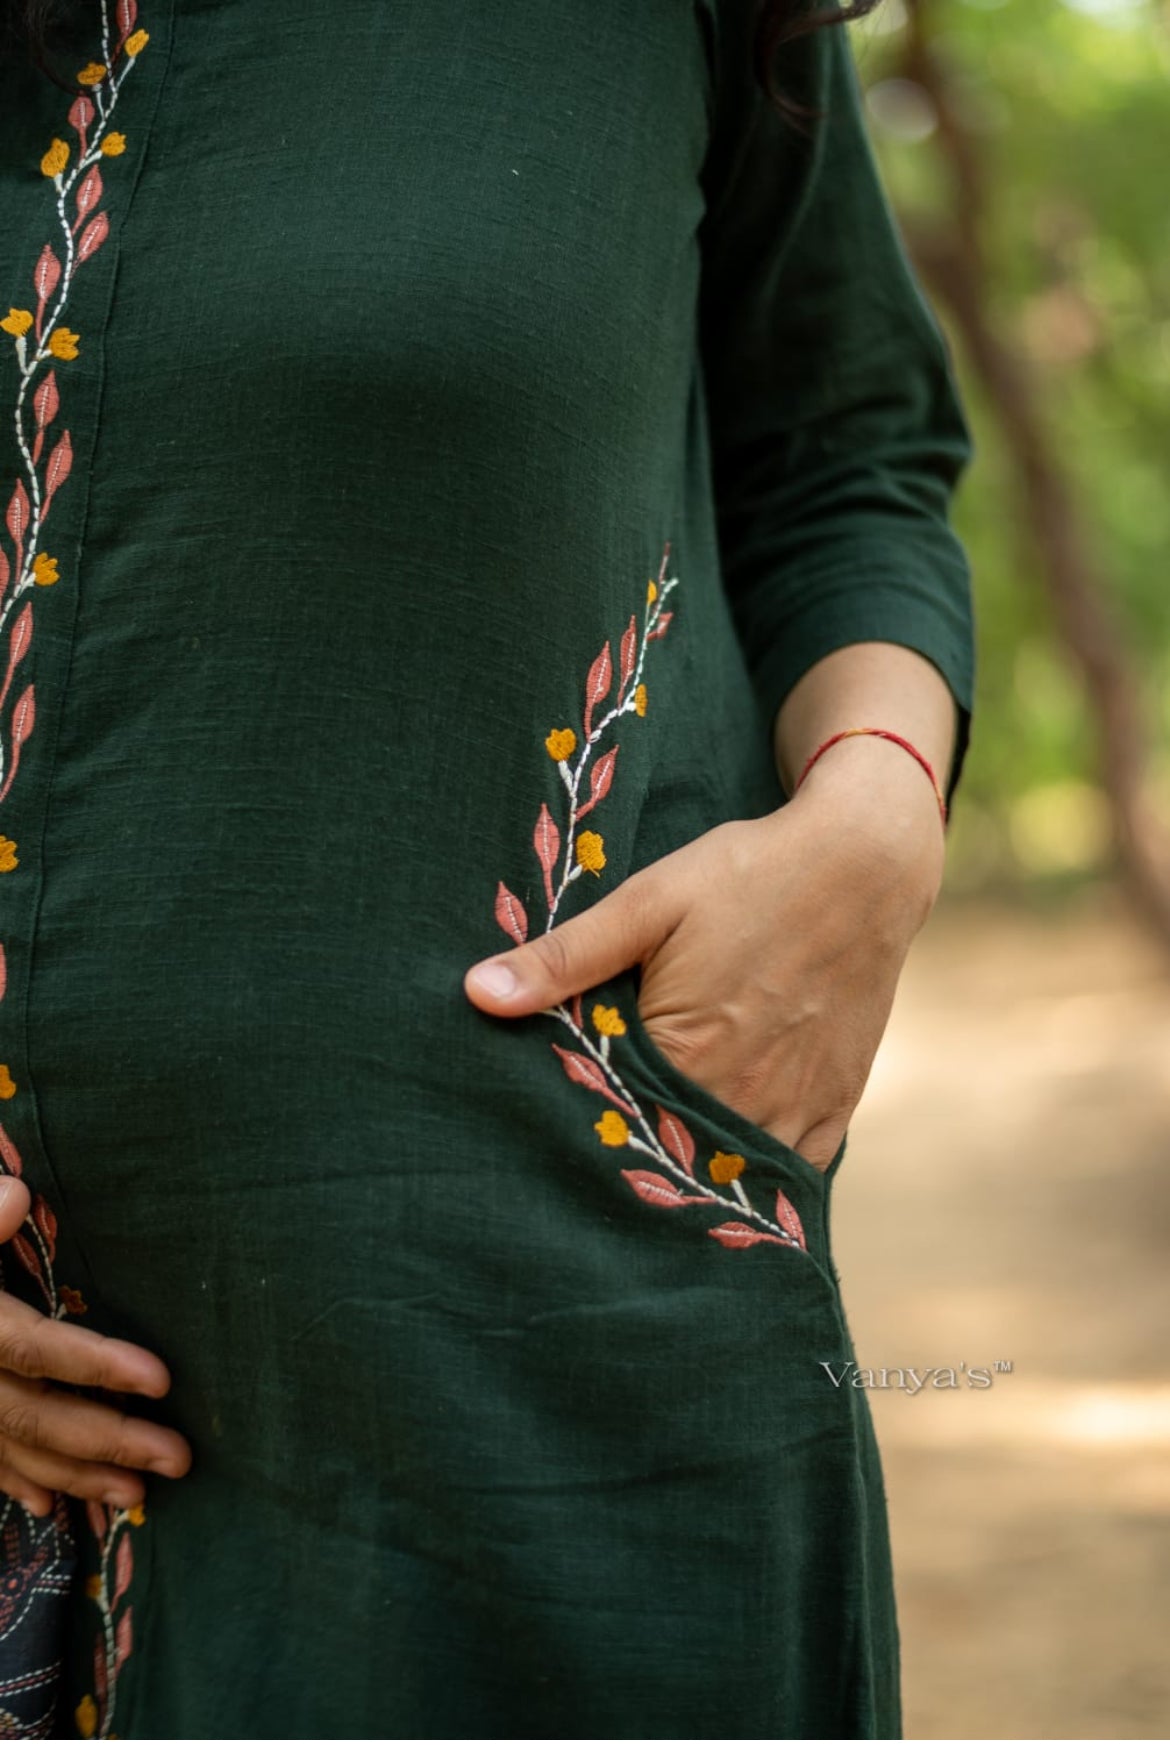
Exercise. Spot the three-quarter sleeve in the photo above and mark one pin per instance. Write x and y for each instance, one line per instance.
(837, 434)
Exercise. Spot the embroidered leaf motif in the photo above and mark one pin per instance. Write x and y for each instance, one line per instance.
(47, 274)
(95, 1514)
(81, 114)
(789, 1219)
(27, 1256)
(45, 1220)
(510, 914)
(546, 840)
(629, 653)
(600, 780)
(21, 636)
(16, 515)
(46, 401)
(123, 1568)
(597, 685)
(659, 1190)
(582, 1071)
(660, 628)
(676, 1137)
(8, 1152)
(736, 1236)
(89, 192)
(100, 1681)
(127, 16)
(124, 1636)
(92, 237)
(59, 467)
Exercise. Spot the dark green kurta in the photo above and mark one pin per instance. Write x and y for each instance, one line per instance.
(479, 416)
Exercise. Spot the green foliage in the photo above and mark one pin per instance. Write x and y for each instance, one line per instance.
(1067, 111)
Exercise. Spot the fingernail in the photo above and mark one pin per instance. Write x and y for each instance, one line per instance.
(495, 978)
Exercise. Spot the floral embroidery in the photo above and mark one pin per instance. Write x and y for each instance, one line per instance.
(668, 1143)
(38, 1553)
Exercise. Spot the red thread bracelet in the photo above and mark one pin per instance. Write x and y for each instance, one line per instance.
(885, 734)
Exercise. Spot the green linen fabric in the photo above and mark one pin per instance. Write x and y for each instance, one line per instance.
(438, 435)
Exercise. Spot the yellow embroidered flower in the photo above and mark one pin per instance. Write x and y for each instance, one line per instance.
(640, 700)
(561, 744)
(609, 1021)
(651, 592)
(63, 342)
(86, 1717)
(55, 159)
(45, 570)
(17, 321)
(726, 1166)
(8, 858)
(7, 1083)
(136, 1514)
(75, 1304)
(93, 1587)
(92, 73)
(612, 1128)
(113, 145)
(591, 851)
(136, 43)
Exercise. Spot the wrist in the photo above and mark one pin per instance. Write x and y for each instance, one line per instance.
(876, 792)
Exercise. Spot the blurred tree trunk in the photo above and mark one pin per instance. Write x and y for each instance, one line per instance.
(951, 259)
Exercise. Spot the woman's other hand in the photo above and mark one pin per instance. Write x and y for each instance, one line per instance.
(770, 949)
(53, 1440)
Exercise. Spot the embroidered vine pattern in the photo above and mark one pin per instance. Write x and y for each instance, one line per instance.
(564, 855)
(43, 341)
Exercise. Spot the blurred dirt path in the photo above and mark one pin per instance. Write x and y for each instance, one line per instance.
(1005, 1196)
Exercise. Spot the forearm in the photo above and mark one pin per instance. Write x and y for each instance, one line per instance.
(876, 782)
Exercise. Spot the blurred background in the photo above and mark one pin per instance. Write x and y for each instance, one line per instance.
(1006, 1198)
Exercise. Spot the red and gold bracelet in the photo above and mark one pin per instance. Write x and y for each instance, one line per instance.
(885, 734)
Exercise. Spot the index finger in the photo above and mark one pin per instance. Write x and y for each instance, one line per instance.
(35, 1345)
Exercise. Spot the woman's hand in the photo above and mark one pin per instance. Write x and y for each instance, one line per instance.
(770, 949)
(52, 1440)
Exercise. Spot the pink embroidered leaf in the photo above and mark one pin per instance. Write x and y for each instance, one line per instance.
(123, 1568)
(8, 1153)
(582, 1071)
(575, 1009)
(81, 113)
(89, 191)
(46, 401)
(126, 15)
(21, 636)
(659, 1190)
(16, 515)
(597, 685)
(47, 273)
(123, 1638)
(3, 987)
(4, 575)
(788, 1219)
(510, 914)
(23, 716)
(660, 627)
(736, 1236)
(45, 1219)
(101, 1684)
(27, 1256)
(676, 1137)
(95, 1514)
(59, 467)
(546, 840)
(629, 654)
(600, 781)
(92, 237)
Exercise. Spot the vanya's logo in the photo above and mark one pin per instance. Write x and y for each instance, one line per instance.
(912, 1381)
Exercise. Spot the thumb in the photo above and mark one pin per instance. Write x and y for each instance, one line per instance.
(618, 931)
(15, 1202)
